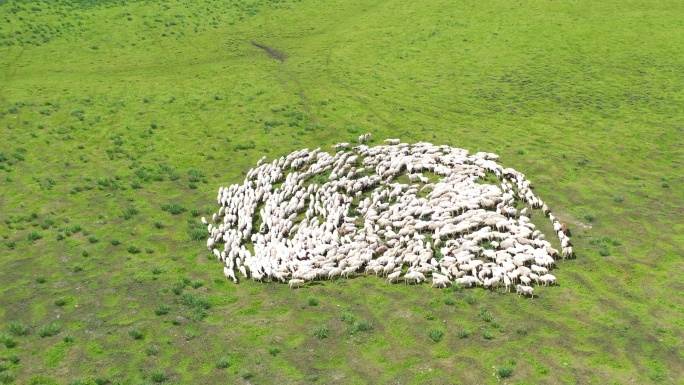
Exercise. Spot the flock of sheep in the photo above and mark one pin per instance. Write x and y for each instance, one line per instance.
(401, 211)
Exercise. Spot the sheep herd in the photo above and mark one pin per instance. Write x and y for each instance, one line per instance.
(401, 211)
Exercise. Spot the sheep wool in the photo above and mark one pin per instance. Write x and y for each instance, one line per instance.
(429, 210)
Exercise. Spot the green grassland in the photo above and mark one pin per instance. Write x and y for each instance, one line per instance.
(119, 120)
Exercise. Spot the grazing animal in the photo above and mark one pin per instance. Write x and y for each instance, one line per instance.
(524, 290)
(366, 216)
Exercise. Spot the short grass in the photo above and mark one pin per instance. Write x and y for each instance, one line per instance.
(120, 119)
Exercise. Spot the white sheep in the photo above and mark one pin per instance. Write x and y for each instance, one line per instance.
(524, 290)
(390, 226)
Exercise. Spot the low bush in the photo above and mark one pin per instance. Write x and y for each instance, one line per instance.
(435, 335)
(322, 332)
(49, 330)
(17, 328)
(136, 334)
(504, 371)
(222, 363)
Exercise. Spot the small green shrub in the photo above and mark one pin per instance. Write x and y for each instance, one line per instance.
(485, 315)
(13, 359)
(449, 301)
(362, 326)
(462, 333)
(136, 334)
(322, 332)
(158, 377)
(10, 244)
(190, 334)
(6, 378)
(151, 351)
(312, 302)
(504, 371)
(68, 340)
(470, 299)
(49, 330)
(196, 284)
(158, 225)
(197, 231)
(78, 269)
(40, 279)
(133, 249)
(60, 302)
(273, 351)
(162, 310)
(92, 239)
(487, 335)
(604, 252)
(222, 363)
(17, 328)
(348, 318)
(430, 317)
(8, 341)
(173, 208)
(129, 213)
(34, 236)
(115, 242)
(435, 335)
(589, 217)
(522, 330)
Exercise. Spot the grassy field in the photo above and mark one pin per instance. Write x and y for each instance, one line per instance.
(119, 120)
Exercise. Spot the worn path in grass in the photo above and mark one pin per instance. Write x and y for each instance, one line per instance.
(119, 120)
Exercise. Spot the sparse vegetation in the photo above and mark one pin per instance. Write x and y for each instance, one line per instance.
(222, 363)
(435, 335)
(322, 332)
(17, 328)
(49, 330)
(504, 371)
(136, 334)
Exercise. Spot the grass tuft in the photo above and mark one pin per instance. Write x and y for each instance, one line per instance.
(34, 236)
(136, 334)
(158, 377)
(470, 299)
(17, 328)
(162, 310)
(8, 340)
(322, 332)
(49, 330)
(348, 318)
(312, 302)
(504, 371)
(435, 335)
(222, 363)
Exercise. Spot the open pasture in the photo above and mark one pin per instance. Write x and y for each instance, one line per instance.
(120, 119)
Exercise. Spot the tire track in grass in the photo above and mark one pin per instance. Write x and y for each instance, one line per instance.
(287, 76)
(10, 71)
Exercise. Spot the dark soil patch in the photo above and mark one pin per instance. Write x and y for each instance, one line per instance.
(272, 52)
